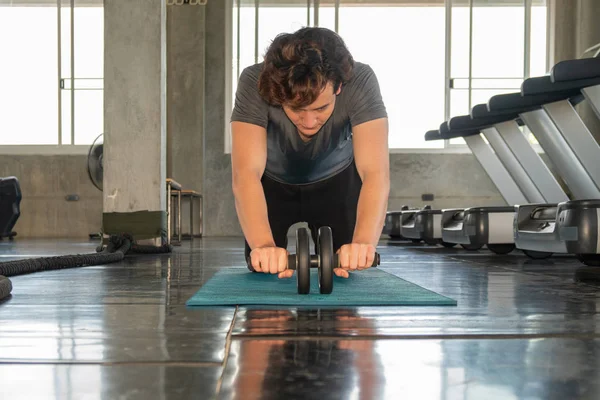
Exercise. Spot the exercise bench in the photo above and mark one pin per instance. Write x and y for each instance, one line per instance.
(174, 189)
(194, 197)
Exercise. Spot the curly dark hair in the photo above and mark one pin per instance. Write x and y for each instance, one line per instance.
(297, 66)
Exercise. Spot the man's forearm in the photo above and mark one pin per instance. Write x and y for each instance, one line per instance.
(251, 208)
(372, 207)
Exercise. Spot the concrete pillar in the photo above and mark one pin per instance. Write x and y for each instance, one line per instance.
(135, 68)
(562, 42)
(220, 215)
(588, 35)
(574, 28)
(185, 94)
(588, 32)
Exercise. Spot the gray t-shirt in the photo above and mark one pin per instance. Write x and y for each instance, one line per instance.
(290, 159)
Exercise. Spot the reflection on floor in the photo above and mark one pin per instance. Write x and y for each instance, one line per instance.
(522, 329)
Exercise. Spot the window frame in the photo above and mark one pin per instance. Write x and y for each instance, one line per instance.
(448, 148)
(43, 149)
(60, 148)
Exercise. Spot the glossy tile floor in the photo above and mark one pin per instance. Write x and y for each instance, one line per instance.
(523, 329)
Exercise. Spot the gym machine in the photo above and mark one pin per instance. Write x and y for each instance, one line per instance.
(10, 202)
(572, 226)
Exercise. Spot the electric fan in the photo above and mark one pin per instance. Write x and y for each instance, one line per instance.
(94, 162)
(95, 169)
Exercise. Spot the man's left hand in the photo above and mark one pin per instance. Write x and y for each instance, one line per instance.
(354, 257)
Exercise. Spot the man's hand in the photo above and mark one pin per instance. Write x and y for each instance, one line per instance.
(353, 257)
(271, 260)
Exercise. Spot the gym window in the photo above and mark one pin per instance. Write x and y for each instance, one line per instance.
(52, 91)
(492, 46)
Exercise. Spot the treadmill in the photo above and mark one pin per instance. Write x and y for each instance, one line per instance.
(568, 227)
(476, 227)
(514, 166)
(494, 226)
(522, 162)
(428, 224)
(423, 225)
(545, 104)
(393, 222)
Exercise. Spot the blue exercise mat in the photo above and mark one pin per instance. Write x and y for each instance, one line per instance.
(371, 287)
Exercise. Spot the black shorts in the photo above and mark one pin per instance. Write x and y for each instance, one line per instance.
(331, 202)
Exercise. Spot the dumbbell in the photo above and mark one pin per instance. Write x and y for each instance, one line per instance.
(325, 260)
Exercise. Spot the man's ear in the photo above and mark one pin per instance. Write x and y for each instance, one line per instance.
(339, 90)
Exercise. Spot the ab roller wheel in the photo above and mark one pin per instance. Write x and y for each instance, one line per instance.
(325, 260)
(301, 261)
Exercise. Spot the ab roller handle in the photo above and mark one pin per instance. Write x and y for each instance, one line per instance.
(325, 260)
(314, 261)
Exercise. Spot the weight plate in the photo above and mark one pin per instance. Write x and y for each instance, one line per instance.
(303, 260)
(325, 255)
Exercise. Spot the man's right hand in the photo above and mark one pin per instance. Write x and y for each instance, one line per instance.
(271, 260)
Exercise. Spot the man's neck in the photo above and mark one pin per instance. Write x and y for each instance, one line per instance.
(304, 137)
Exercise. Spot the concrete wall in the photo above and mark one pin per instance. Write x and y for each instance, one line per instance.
(454, 179)
(45, 182)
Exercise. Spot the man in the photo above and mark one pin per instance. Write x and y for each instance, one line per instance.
(310, 144)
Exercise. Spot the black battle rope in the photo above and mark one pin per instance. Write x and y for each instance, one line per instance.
(116, 249)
